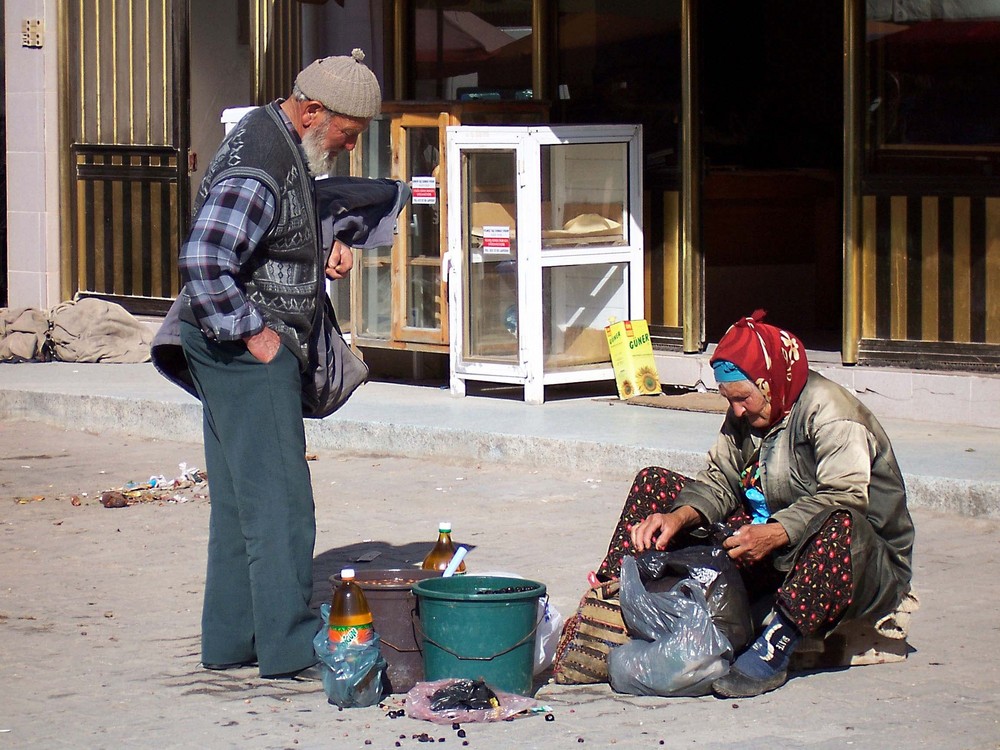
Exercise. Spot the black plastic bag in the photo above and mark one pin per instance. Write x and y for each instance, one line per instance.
(467, 695)
(709, 565)
(509, 705)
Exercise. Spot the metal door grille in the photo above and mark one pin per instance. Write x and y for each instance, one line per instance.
(931, 276)
(127, 218)
(126, 68)
(277, 47)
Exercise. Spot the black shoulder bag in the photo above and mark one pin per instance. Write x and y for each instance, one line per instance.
(334, 371)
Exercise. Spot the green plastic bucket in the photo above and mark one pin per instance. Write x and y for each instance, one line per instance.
(479, 628)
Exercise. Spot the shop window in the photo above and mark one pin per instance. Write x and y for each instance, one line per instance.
(621, 63)
(933, 72)
(770, 85)
(472, 50)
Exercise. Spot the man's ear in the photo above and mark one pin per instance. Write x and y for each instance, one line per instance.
(312, 113)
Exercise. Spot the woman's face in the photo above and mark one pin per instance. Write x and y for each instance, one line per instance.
(747, 402)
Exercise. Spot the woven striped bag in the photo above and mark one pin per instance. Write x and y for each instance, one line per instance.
(588, 636)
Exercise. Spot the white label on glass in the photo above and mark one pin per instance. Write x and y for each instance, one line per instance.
(496, 239)
(424, 190)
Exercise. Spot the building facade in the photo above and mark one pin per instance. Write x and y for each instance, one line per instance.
(833, 163)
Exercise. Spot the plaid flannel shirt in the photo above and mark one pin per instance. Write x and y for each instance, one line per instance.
(235, 216)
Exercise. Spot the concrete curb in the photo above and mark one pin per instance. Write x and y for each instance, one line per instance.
(181, 421)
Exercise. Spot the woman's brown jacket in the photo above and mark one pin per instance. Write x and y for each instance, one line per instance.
(828, 453)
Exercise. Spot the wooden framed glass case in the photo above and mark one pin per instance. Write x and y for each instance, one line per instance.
(398, 294)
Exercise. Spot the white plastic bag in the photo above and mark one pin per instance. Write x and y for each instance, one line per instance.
(550, 624)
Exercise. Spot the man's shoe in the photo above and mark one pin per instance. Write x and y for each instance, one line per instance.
(738, 685)
(232, 665)
(309, 674)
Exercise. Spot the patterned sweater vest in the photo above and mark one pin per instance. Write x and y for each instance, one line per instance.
(282, 278)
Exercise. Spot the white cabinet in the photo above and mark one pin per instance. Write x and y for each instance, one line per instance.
(545, 247)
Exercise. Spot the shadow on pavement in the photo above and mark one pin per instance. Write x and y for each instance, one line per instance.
(366, 557)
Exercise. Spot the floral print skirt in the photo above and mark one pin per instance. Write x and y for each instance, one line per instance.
(813, 594)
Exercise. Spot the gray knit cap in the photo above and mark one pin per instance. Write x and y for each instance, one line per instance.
(343, 84)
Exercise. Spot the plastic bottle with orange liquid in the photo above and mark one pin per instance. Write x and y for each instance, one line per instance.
(350, 616)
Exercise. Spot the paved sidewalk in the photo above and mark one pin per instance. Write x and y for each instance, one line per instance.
(947, 467)
(100, 608)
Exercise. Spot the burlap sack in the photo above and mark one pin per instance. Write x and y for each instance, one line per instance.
(96, 330)
(22, 333)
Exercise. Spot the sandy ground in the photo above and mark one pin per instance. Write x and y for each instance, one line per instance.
(100, 608)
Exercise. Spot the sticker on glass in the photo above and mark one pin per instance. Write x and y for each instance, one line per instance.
(496, 239)
(424, 190)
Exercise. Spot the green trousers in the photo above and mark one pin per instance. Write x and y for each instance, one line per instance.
(262, 527)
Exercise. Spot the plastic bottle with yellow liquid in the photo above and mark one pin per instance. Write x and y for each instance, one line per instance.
(350, 616)
(442, 552)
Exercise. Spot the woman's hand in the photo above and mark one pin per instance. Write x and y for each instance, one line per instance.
(754, 542)
(661, 528)
(341, 260)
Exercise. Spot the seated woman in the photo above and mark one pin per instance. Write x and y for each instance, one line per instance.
(805, 478)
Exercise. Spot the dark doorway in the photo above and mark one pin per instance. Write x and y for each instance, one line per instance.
(772, 135)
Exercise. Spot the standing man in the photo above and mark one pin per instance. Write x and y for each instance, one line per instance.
(251, 268)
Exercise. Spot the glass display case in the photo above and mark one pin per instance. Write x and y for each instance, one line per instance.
(398, 295)
(545, 248)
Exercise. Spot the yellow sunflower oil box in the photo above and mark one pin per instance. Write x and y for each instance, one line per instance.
(632, 358)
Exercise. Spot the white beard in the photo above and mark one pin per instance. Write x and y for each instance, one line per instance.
(319, 160)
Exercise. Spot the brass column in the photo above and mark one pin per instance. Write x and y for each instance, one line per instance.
(692, 257)
(68, 278)
(400, 49)
(542, 42)
(853, 133)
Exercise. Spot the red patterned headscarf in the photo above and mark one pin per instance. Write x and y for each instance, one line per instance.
(774, 360)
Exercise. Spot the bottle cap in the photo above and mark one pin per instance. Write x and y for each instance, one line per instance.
(347, 574)
(444, 526)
